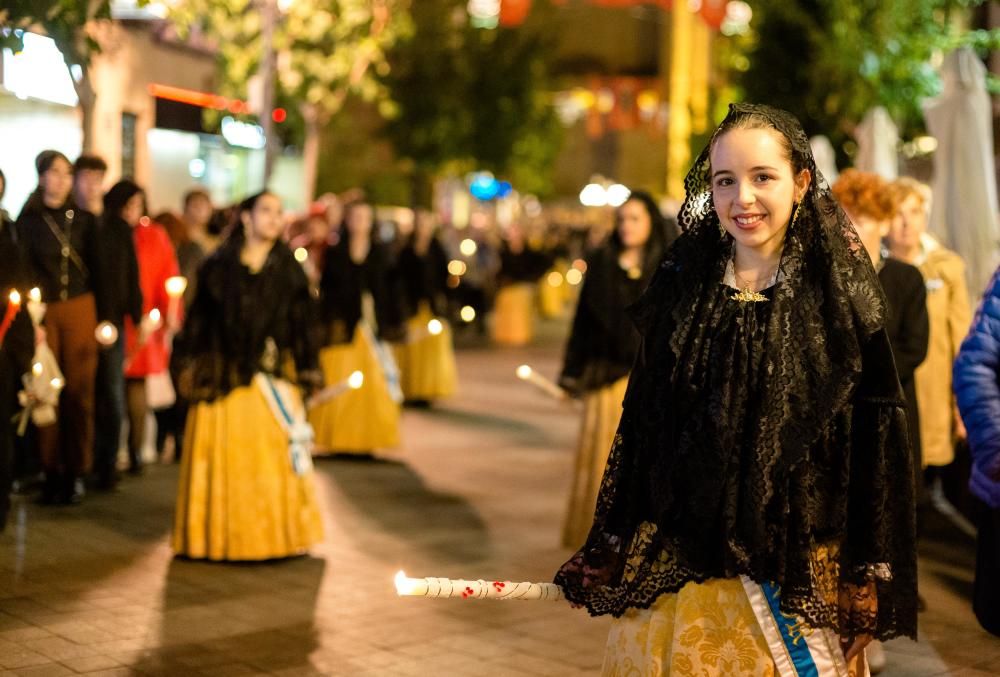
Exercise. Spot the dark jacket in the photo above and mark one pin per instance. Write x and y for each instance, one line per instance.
(60, 274)
(119, 272)
(344, 282)
(424, 278)
(977, 389)
(18, 345)
(908, 327)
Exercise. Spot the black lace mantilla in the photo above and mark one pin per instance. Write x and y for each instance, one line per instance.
(766, 442)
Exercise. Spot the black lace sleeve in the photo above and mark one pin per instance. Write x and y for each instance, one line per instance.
(880, 541)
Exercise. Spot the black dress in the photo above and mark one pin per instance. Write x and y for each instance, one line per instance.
(603, 341)
(424, 278)
(907, 327)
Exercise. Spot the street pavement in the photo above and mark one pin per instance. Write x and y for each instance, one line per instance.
(477, 490)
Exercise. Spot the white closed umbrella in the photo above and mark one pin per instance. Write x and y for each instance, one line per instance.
(964, 209)
(878, 139)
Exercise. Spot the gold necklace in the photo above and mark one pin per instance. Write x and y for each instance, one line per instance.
(747, 293)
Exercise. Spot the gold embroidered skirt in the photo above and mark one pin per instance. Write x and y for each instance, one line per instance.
(704, 629)
(427, 365)
(238, 497)
(602, 410)
(553, 291)
(514, 315)
(357, 421)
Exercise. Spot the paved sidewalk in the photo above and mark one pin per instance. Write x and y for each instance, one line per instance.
(478, 492)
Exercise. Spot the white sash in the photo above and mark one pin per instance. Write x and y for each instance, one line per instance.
(300, 434)
(797, 650)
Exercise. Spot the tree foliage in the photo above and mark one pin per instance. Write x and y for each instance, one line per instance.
(469, 98)
(326, 49)
(830, 61)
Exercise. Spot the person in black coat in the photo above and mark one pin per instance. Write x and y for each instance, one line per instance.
(120, 270)
(61, 246)
(17, 345)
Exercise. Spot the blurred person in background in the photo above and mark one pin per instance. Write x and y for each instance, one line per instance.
(426, 360)
(147, 351)
(602, 346)
(170, 420)
(89, 172)
(977, 390)
(17, 346)
(314, 240)
(246, 488)
(520, 269)
(199, 214)
(120, 268)
(361, 310)
(949, 315)
(61, 245)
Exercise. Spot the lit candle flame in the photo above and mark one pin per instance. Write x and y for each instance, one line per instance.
(56, 383)
(176, 286)
(154, 315)
(36, 369)
(301, 254)
(15, 297)
(435, 327)
(468, 313)
(404, 585)
(35, 294)
(524, 372)
(107, 333)
(355, 380)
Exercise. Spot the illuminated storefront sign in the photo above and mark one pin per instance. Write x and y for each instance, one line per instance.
(38, 72)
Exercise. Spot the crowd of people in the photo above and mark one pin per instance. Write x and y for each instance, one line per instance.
(769, 395)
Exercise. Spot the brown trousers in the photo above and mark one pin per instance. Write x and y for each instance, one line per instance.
(68, 444)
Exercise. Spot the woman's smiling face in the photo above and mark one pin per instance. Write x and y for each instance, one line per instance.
(754, 187)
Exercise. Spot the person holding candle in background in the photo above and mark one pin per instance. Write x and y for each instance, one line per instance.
(246, 487)
(61, 245)
(361, 310)
(514, 307)
(759, 484)
(426, 359)
(602, 346)
(123, 299)
(17, 343)
(147, 350)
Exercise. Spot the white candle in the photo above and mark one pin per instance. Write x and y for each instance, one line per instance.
(352, 382)
(526, 373)
(175, 287)
(36, 309)
(479, 589)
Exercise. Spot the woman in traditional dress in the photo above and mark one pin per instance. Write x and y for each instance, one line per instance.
(246, 486)
(949, 314)
(361, 309)
(602, 346)
(426, 356)
(756, 515)
(514, 307)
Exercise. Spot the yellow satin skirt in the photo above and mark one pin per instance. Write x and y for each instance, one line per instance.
(514, 315)
(238, 497)
(357, 421)
(426, 365)
(602, 409)
(704, 629)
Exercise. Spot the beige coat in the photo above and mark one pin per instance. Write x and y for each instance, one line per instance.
(950, 314)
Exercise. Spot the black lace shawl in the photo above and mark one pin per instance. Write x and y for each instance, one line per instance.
(241, 323)
(424, 277)
(344, 282)
(799, 473)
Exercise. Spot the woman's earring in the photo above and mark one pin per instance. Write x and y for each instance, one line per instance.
(795, 214)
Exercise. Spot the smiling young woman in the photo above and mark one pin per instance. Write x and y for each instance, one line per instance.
(744, 500)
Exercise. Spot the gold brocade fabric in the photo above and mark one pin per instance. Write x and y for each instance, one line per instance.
(514, 315)
(552, 298)
(704, 629)
(238, 497)
(427, 365)
(602, 410)
(358, 421)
